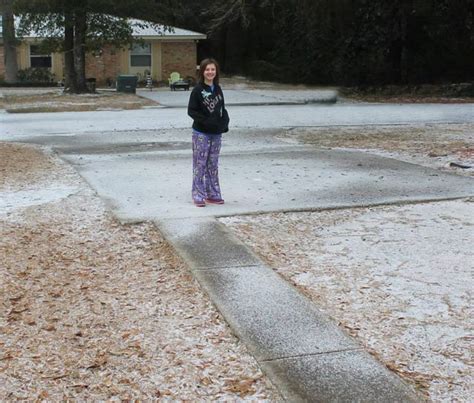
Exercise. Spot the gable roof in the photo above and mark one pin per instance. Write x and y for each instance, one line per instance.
(160, 32)
(156, 31)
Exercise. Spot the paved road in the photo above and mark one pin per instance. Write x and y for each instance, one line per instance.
(17, 126)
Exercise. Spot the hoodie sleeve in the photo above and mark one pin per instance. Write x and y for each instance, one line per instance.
(195, 110)
(224, 116)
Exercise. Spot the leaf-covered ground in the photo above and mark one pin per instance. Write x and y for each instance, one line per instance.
(93, 310)
(398, 279)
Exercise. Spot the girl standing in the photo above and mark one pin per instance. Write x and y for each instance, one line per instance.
(207, 109)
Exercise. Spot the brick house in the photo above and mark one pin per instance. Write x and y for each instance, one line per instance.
(161, 54)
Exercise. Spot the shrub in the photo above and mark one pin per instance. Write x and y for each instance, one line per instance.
(35, 75)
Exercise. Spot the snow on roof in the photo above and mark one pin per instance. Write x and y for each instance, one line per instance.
(151, 31)
(158, 30)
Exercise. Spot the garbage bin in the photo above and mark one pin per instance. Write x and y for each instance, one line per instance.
(127, 83)
(91, 84)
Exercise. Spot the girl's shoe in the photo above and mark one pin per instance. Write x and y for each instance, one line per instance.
(199, 203)
(215, 201)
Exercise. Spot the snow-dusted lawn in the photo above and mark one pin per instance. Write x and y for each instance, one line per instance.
(54, 100)
(399, 279)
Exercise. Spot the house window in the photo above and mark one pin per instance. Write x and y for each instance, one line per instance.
(38, 58)
(140, 55)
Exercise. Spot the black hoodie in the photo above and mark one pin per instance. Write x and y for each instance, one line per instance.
(207, 108)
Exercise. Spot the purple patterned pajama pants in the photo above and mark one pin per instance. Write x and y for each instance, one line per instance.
(206, 148)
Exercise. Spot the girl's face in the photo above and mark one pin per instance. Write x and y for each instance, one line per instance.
(210, 72)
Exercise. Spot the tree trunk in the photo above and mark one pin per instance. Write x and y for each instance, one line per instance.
(9, 42)
(70, 83)
(80, 27)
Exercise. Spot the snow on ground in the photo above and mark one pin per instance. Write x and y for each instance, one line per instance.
(397, 278)
(94, 310)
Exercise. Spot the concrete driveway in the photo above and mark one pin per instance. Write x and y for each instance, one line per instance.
(146, 175)
(153, 181)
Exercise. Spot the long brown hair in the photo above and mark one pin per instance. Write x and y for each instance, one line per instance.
(202, 68)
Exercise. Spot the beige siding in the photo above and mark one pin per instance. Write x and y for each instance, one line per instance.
(156, 63)
(23, 53)
(58, 65)
(124, 61)
(23, 59)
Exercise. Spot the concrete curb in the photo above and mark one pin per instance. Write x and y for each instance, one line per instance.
(306, 355)
(263, 103)
(269, 103)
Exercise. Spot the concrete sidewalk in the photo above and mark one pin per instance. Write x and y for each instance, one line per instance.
(304, 353)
